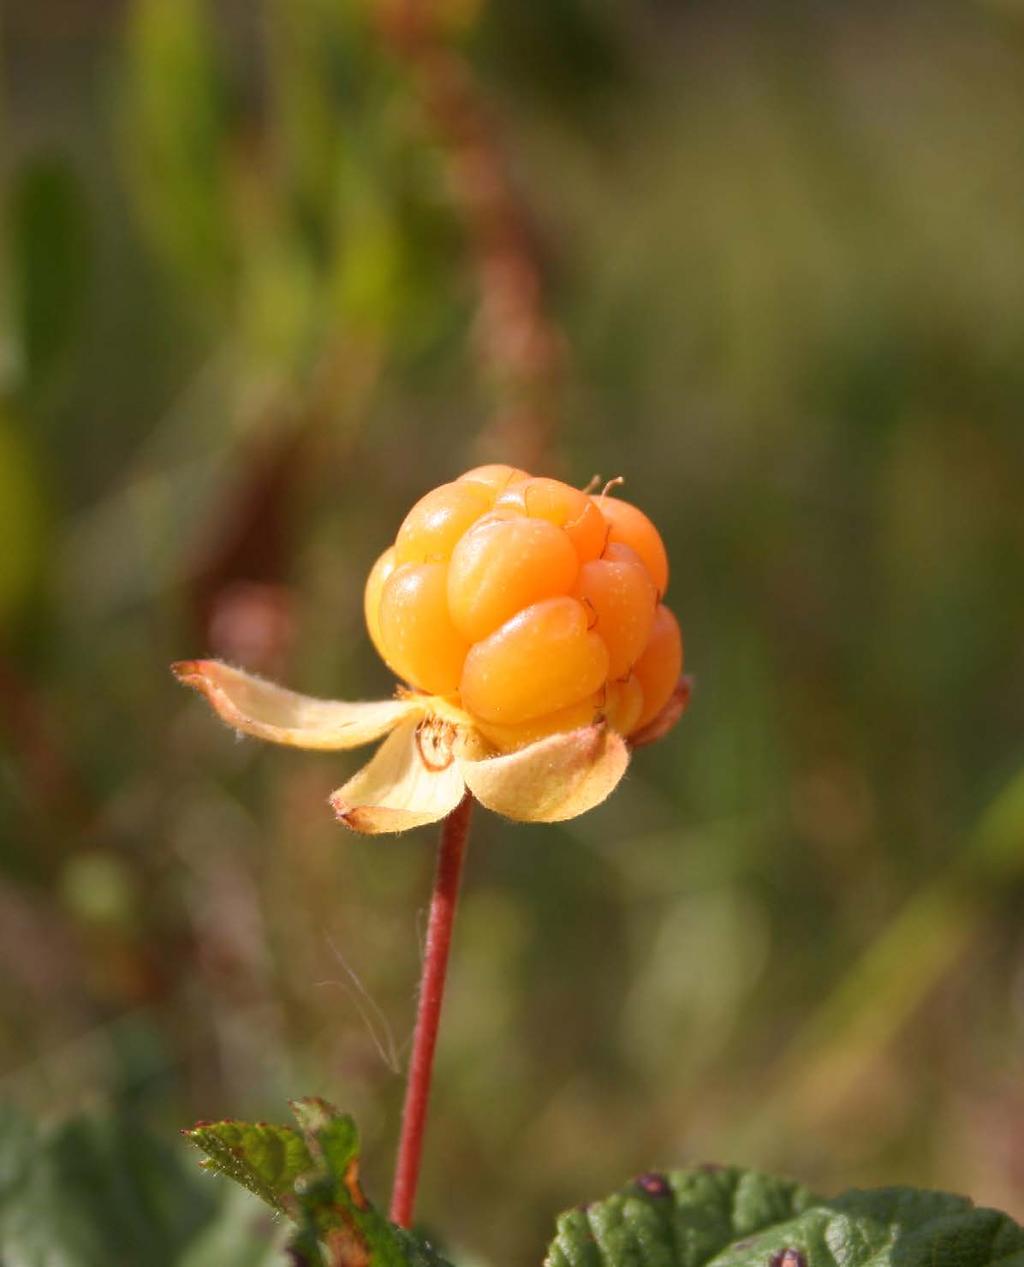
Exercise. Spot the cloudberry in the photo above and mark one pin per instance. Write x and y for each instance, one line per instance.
(535, 607)
(630, 526)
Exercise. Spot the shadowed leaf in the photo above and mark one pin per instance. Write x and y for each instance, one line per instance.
(95, 1191)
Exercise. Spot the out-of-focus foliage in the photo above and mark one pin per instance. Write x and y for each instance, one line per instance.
(783, 242)
(49, 263)
(100, 1190)
(21, 515)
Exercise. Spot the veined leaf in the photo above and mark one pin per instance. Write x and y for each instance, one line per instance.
(728, 1217)
(312, 1175)
(265, 1159)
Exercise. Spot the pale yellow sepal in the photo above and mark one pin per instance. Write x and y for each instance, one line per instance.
(552, 779)
(433, 754)
(411, 780)
(281, 716)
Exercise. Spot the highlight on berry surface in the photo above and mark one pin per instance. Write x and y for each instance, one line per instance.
(526, 623)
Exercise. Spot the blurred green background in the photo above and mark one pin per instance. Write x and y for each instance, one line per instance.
(241, 331)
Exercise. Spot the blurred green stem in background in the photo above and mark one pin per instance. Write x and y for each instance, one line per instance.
(837, 1045)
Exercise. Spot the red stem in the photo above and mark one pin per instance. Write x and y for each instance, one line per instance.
(450, 855)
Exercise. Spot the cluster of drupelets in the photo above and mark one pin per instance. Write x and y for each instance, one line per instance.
(532, 605)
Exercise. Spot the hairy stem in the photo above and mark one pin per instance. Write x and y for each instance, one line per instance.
(450, 856)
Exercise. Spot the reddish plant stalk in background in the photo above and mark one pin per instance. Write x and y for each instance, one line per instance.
(522, 350)
(450, 856)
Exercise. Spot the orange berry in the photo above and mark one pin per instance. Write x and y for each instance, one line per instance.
(420, 642)
(619, 592)
(540, 661)
(379, 573)
(433, 526)
(632, 527)
(659, 667)
(495, 475)
(503, 565)
(508, 738)
(534, 605)
(623, 704)
(563, 505)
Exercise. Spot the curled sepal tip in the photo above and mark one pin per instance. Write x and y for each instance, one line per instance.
(259, 708)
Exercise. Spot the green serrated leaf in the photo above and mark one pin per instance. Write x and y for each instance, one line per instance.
(333, 1208)
(312, 1175)
(331, 1136)
(265, 1159)
(728, 1217)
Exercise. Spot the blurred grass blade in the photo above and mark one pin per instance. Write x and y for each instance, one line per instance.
(50, 246)
(175, 120)
(23, 521)
(839, 1042)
